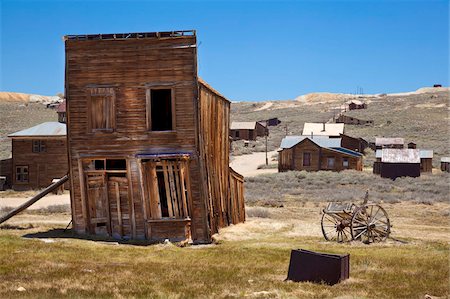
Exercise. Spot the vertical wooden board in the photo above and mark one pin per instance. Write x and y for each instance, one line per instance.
(176, 174)
(168, 192)
(182, 172)
(173, 192)
(155, 202)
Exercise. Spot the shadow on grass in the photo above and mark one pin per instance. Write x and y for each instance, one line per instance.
(59, 233)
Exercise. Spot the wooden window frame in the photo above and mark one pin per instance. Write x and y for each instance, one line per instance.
(309, 159)
(41, 146)
(148, 95)
(16, 173)
(178, 195)
(101, 91)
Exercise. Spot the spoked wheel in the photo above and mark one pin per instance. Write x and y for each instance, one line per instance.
(370, 223)
(336, 228)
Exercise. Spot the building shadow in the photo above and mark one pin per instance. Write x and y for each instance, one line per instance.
(59, 233)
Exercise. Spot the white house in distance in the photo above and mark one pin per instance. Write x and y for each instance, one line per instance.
(323, 129)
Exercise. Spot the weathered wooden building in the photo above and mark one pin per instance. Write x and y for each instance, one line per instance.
(426, 159)
(316, 153)
(247, 130)
(445, 164)
(39, 155)
(353, 143)
(349, 120)
(61, 110)
(382, 142)
(148, 140)
(6, 172)
(396, 163)
(323, 129)
(270, 122)
(356, 104)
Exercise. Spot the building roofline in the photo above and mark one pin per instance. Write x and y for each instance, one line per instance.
(131, 35)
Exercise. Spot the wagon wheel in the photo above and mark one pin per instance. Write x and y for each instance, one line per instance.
(336, 228)
(370, 223)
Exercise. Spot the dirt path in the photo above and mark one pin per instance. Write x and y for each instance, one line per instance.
(247, 165)
(46, 201)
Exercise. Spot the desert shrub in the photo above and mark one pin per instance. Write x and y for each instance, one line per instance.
(52, 209)
(258, 212)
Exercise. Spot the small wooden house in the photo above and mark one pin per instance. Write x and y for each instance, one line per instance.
(445, 164)
(148, 140)
(61, 110)
(317, 153)
(323, 129)
(353, 143)
(248, 130)
(39, 155)
(349, 120)
(356, 104)
(412, 145)
(382, 142)
(426, 161)
(270, 122)
(395, 163)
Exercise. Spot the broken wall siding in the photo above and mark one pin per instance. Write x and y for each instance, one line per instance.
(43, 166)
(130, 68)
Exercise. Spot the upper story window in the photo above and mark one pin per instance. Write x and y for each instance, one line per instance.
(160, 109)
(39, 146)
(101, 109)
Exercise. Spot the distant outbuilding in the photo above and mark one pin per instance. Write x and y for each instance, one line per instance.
(445, 164)
(248, 130)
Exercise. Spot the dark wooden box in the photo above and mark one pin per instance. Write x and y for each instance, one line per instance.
(318, 267)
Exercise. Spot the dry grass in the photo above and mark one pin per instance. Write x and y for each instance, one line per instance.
(249, 260)
(348, 185)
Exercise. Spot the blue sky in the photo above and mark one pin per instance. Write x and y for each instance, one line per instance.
(248, 50)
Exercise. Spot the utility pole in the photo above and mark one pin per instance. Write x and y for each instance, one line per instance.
(267, 133)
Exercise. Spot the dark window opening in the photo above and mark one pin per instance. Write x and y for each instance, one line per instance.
(101, 224)
(161, 109)
(99, 164)
(120, 164)
(250, 134)
(162, 192)
(237, 134)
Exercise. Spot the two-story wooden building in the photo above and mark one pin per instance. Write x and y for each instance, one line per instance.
(316, 153)
(148, 140)
(39, 155)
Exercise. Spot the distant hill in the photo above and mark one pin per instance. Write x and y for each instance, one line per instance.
(421, 116)
(15, 97)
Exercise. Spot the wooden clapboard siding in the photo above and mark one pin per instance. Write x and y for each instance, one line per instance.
(214, 117)
(125, 70)
(43, 167)
(426, 165)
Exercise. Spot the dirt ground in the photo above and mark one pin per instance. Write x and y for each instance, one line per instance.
(247, 165)
(48, 200)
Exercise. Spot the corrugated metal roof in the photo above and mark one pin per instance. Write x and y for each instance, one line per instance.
(388, 141)
(317, 129)
(45, 129)
(445, 159)
(244, 125)
(405, 155)
(347, 151)
(322, 141)
(423, 154)
(426, 154)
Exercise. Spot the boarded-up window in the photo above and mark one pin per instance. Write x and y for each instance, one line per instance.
(101, 109)
(160, 109)
(306, 159)
(167, 186)
(39, 146)
(22, 174)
